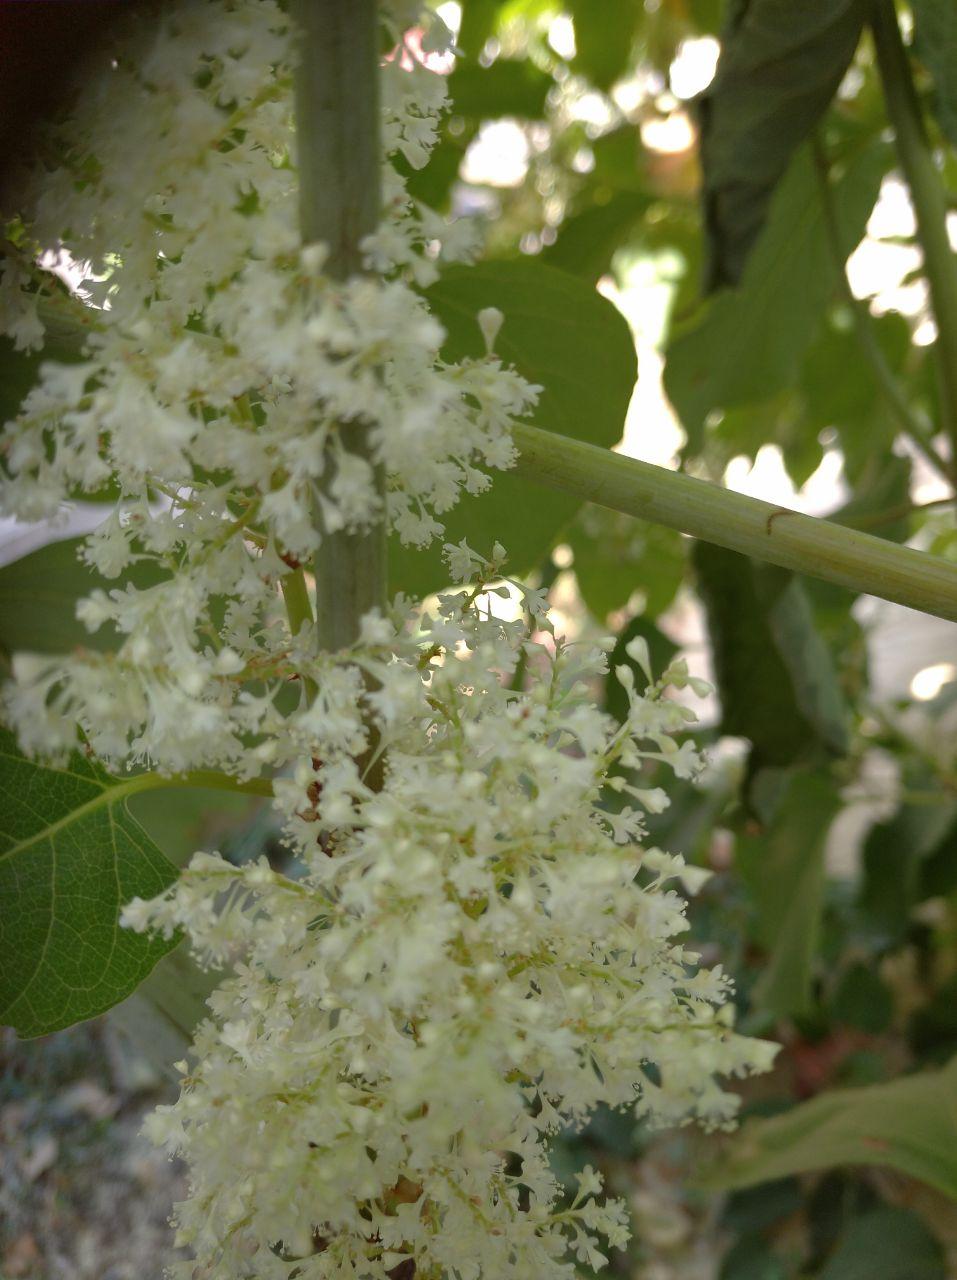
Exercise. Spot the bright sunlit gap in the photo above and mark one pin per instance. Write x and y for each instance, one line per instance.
(929, 681)
(669, 134)
(498, 157)
(693, 69)
(561, 36)
(451, 15)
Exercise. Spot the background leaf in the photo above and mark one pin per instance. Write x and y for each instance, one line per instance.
(70, 856)
(783, 866)
(562, 335)
(897, 854)
(746, 344)
(780, 66)
(508, 87)
(183, 820)
(935, 43)
(589, 238)
(908, 1124)
(862, 1000)
(752, 1259)
(604, 34)
(763, 637)
(38, 595)
(887, 1244)
(478, 23)
(614, 559)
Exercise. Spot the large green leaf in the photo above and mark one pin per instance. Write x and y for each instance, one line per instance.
(604, 35)
(835, 390)
(616, 556)
(861, 1000)
(780, 66)
(838, 388)
(563, 336)
(608, 212)
(763, 638)
(783, 867)
(747, 343)
(507, 87)
(70, 856)
(935, 42)
(752, 1259)
(886, 1244)
(897, 855)
(589, 238)
(38, 595)
(908, 1124)
(621, 164)
(478, 23)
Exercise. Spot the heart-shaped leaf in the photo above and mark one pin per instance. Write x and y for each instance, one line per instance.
(71, 855)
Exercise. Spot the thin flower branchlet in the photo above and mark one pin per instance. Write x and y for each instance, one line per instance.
(478, 949)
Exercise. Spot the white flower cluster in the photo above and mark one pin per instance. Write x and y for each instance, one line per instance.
(478, 950)
(223, 362)
(475, 955)
(224, 376)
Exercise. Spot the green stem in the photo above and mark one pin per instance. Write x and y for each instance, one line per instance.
(350, 576)
(776, 534)
(296, 596)
(870, 348)
(547, 573)
(204, 779)
(337, 126)
(928, 197)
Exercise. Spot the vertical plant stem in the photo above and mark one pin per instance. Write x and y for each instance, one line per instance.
(337, 127)
(928, 197)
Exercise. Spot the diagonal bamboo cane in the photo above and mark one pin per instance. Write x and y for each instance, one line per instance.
(807, 544)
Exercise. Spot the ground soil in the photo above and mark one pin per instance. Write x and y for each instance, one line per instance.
(83, 1195)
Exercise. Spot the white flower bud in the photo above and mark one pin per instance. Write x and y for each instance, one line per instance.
(637, 649)
(490, 321)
